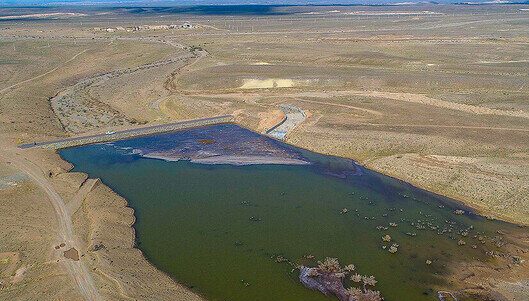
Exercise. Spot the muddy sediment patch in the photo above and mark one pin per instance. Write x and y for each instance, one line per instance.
(72, 254)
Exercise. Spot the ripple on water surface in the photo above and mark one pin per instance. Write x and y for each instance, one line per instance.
(220, 228)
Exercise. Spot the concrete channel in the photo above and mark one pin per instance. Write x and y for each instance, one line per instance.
(293, 117)
(136, 132)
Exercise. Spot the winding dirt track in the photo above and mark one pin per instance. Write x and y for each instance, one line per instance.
(76, 269)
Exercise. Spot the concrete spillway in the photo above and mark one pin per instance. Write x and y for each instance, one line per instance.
(293, 117)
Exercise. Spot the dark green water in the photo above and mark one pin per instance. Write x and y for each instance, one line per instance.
(219, 228)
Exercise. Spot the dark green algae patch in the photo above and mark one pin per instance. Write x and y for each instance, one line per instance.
(221, 228)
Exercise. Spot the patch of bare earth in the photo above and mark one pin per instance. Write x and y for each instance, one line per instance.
(269, 119)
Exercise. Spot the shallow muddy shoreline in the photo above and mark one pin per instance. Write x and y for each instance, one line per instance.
(232, 160)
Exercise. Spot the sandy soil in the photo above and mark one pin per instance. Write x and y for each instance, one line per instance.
(509, 279)
(269, 119)
(29, 236)
(9, 261)
(267, 83)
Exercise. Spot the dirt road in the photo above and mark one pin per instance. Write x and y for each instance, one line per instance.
(76, 269)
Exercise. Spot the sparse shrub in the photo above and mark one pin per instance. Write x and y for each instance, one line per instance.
(357, 294)
(329, 265)
(349, 267)
(356, 278)
(394, 248)
(369, 280)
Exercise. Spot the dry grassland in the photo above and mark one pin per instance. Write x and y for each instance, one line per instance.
(439, 100)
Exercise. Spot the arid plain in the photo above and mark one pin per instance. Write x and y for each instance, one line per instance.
(435, 95)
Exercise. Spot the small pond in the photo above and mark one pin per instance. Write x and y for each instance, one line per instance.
(217, 206)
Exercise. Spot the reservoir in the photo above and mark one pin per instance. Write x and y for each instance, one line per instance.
(230, 214)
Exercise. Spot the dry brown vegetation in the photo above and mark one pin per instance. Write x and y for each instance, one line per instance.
(439, 100)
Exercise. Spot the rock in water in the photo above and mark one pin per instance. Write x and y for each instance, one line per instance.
(326, 283)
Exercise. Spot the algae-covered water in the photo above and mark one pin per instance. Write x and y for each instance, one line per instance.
(219, 228)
